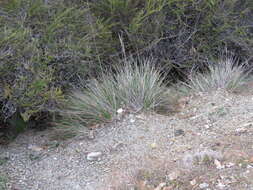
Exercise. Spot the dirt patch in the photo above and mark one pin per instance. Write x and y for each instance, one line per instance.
(208, 145)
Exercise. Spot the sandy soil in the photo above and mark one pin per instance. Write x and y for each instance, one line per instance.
(207, 145)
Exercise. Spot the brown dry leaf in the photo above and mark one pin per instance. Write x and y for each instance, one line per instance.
(168, 188)
(142, 185)
(186, 116)
(251, 159)
(95, 126)
(153, 145)
(160, 186)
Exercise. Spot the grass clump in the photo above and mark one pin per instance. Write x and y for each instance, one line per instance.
(97, 103)
(135, 86)
(140, 87)
(227, 75)
(205, 157)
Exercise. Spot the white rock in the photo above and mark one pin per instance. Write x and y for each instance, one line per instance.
(247, 125)
(241, 130)
(91, 135)
(94, 156)
(160, 186)
(220, 185)
(120, 111)
(153, 145)
(218, 164)
(174, 175)
(207, 126)
(35, 148)
(230, 164)
(132, 120)
(203, 185)
(193, 182)
(140, 117)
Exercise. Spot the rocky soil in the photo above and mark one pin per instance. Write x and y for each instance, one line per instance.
(207, 145)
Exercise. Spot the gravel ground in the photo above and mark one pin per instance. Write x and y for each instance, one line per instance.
(217, 125)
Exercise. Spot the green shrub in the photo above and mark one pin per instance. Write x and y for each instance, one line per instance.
(139, 22)
(196, 30)
(33, 46)
(45, 49)
(136, 86)
(48, 48)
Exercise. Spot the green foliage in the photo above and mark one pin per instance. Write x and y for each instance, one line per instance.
(46, 48)
(195, 30)
(137, 21)
(42, 46)
(133, 87)
(50, 47)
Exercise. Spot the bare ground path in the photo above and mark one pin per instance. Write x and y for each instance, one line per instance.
(208, 145)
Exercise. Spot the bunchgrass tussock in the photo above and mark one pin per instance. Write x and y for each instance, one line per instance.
(95, 104)
(140, 85)
(227, 74)
(136, 86)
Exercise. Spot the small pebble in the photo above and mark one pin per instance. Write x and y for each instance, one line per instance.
(120, 111)
(178, 132)
(160, 186)
(230, 164)
(193, 182)
(207, 126)
(174, 175)
(153, 145)
(91, 135)
(203, 185)
(218, 164)
(94, 156)
(35, 148)
(241, 130)
(220, 185)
